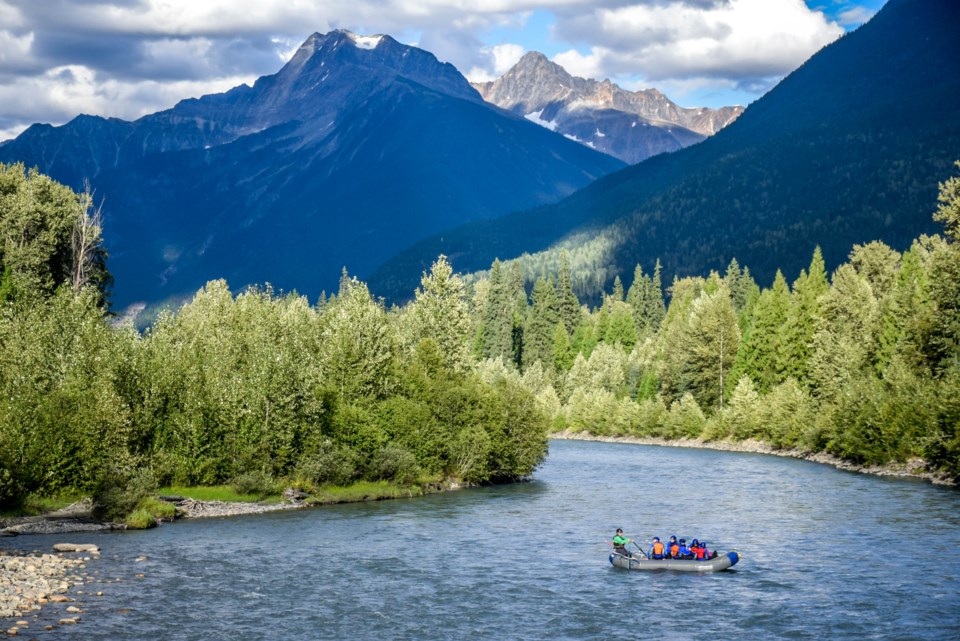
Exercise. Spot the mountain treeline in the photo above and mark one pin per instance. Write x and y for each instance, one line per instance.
(464, 381)
(863, 364)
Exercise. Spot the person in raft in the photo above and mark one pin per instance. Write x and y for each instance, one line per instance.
(673, 548)
(658, 550)
(620, 543)
(683, 552)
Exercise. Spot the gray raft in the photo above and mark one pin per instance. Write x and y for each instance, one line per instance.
(720, 562)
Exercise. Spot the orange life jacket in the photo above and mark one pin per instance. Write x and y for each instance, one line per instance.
(658, 548)
(674, 549)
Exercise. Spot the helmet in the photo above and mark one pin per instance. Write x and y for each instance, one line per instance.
(656, 538)
(683, 540)
(673, 538)
(695, 542)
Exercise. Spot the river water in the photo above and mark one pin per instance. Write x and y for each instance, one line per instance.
(827, 555)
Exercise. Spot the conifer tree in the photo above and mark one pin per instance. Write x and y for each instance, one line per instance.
(802, 319)
(617, 289)
(542, 319)
(637, 299)
(497, 333)
(656, 307)
(761, 357)
(566, 298)
(563, 354)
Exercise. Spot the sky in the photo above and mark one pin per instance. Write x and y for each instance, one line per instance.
(129, 58)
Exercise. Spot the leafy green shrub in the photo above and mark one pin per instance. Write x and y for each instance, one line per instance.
(256, 482)
(327, 464)
(12, 492)
(393, 463)
(120, 488)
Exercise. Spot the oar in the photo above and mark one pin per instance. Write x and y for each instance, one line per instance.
(639, 549)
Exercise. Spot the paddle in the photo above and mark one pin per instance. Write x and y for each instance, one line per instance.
(639, 549)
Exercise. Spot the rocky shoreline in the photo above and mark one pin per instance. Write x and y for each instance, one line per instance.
(30, 580)
(915, 468)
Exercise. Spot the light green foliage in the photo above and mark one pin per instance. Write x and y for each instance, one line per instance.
(846, 335)
(440, 312)
(563, 353)
(706, 344)
(605, 369)
(620, 329)
(357, 345)
(948, 211)
(60, 411)
(38, 252)
(230, 384)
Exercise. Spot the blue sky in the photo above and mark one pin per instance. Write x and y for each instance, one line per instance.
(128, 58)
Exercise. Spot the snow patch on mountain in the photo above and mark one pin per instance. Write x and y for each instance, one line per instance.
(535, 117)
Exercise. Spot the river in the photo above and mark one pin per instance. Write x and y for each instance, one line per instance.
(827, 555)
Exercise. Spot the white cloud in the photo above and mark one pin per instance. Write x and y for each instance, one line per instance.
(64, 92)
(500, 59)
(130, 57)
(741, 40)
(854, 16)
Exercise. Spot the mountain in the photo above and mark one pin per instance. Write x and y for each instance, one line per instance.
(847, 149)
(356, 148)
(631, 125)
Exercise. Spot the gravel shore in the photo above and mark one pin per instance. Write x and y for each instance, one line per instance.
(29, 580)
(915, 468)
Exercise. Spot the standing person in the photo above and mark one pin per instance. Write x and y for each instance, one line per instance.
(620, 543)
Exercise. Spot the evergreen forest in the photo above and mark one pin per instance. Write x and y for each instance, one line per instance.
(466, 380)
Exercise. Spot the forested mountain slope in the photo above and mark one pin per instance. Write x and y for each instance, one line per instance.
(845, 150)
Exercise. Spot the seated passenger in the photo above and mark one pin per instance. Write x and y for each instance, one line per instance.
(673, 548)
(658, 550)
(699, 550)
(683, 552)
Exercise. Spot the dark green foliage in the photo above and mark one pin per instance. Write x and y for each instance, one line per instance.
(542, 318)
(120, 488)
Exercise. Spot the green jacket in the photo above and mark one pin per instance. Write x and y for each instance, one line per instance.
(619, 541)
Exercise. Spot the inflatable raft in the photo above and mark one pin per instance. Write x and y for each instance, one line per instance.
(720, 562)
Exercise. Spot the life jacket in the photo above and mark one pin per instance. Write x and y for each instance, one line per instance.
(700, 551)
(674, 549)
(657, 550)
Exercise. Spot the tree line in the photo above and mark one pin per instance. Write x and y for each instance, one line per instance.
(863, 363)
(466, 380)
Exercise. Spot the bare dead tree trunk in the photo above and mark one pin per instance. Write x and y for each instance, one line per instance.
(87, 231)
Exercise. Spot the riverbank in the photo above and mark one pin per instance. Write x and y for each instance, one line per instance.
(30, 580)
(915, 468)
(78, 517)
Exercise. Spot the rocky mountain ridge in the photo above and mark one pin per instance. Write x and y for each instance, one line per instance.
(631, 125)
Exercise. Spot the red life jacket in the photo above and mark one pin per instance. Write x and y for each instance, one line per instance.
(700, 551)
(674, 549)
(658, 548)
